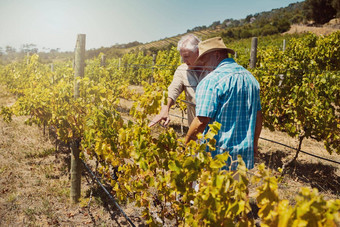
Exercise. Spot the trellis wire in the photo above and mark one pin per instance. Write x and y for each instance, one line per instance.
(272, 141)
(107, 192)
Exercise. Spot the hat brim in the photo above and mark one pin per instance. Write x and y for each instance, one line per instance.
(227, 50)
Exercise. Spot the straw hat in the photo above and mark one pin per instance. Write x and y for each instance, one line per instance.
(212, 44)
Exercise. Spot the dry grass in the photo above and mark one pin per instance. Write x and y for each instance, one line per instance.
(324, 30)
(308, 171)
(7, 99)
(34, 182)
(330, 27)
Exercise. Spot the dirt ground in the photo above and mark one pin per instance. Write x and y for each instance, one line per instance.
(35, 182)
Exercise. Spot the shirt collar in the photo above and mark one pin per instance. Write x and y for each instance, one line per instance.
(226, 61)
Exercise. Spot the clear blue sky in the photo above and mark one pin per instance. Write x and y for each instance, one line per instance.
(56, 23)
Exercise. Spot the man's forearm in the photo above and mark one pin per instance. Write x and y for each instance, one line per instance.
(197, 126)
(163, 114)
(166, 108)
(258, 127)
(170, 103)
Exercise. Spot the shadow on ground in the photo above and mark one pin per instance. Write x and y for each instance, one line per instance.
(316, 175)
(117, 216)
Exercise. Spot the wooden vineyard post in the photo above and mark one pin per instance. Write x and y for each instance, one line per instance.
(52, 70)
(103, 61)
(153, 68)
(28, 58)
(284, 45)
(253, 53)
(75, 161)
(79, 63)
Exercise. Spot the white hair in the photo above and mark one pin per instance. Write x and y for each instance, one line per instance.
(189, 41)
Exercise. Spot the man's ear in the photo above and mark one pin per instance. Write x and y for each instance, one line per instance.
(221, 55)
(218, 56)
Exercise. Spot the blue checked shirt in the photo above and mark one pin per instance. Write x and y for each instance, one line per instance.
(230, 95)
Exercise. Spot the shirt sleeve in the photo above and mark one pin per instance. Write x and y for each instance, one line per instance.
(176, 87)
(206, 99)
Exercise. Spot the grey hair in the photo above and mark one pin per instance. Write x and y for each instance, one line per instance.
(189, 41)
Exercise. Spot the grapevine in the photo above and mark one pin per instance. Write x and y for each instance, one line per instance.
(158, 171)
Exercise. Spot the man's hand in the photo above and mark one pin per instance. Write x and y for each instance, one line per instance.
(162, 116)
(197, 126)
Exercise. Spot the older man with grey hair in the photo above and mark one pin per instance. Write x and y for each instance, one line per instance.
(185, 79)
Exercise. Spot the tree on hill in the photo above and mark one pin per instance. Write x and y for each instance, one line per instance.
(336, 6)
(29, 48)
(282, 25)
(214, 24)
(321, 11)
(10, 50)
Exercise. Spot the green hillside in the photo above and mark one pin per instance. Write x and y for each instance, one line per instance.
(252, 25)
(259, 24)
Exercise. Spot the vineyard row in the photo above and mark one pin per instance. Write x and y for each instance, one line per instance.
(154, 170)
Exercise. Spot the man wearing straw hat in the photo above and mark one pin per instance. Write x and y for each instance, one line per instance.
(230, 95)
